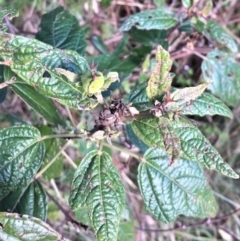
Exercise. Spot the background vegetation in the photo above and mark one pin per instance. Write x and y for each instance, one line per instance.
(127, 54)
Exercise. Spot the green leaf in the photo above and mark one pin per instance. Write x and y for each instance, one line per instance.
(3, 91)
(187, 3)
(196, 147)
(186, 26)
(52, 148)
(224, 72)
(149, 37)
(179, 98)
(121, 46)
(61, 29)
(207, 8)
(147, 130)
(9, 13)
(220, 35)
(134, 139)
(21, 155)
(113, 62)
(35, 62)
(30, 200)
(97, 186)
(99, 44)
(106, 3)
(171, 191)
(41, 104)
(170, 139)
(24, 228)
(158, 132)
(206, 104)
(160, 19)
(160, 78)
(198, 24)
(138, 97)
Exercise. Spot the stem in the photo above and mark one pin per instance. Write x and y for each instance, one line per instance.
(121, 149)
(181, 226)
(100, 146)
(66, 212)
(68, 158)
(236, 205)
(65, 135)
(145, 113)
(70, 116)
(39, 174)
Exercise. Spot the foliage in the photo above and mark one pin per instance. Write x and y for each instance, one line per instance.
(50, 72)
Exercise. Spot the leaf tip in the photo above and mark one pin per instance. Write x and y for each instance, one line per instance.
(235, 176)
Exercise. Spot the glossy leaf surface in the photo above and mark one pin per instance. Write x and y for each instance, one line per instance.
(134, 139)
(34, 62)
(171, 191)
(151, 19)
(206, 104)
(97, 186)
(147, 130)
(196, 147)
(30, 200)
(41, 104)
(24, 228)
(61, 30)
(159, 133)
(21, 155)
(138, 97)
(224, 72)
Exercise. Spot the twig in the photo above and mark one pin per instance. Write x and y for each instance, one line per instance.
(69, 159)
(53, 184)
(66, 213)
(231, 233)
(117, 147)
(53, 160)
(208, 221)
